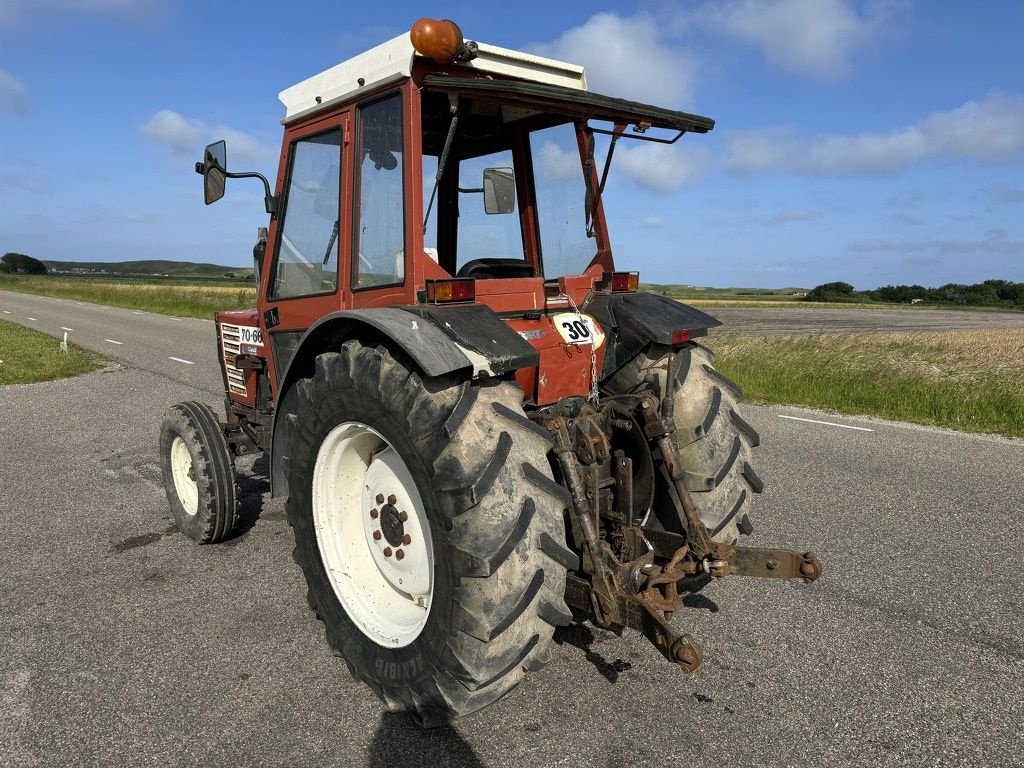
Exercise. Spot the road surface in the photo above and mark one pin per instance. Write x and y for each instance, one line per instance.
(123, 643)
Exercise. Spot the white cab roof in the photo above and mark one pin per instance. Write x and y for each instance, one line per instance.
(392, 61)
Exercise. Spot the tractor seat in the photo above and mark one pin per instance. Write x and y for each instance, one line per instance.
(487, 269)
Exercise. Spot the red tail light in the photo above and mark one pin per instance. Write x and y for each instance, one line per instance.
(621, 282)
(440, 291)
(680, 337)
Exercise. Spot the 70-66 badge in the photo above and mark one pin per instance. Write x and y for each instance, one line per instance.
(578, 329)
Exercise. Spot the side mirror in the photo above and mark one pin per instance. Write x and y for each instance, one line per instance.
(499, 190)
(215, 167)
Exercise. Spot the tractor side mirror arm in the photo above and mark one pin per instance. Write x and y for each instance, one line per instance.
(213, 169)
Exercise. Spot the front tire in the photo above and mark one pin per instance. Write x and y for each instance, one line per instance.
(198, 473)
(484, 525)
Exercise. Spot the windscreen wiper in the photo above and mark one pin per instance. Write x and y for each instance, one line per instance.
(592, 199)
(453, 108)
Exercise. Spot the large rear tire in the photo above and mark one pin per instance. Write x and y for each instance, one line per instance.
(482, 532)
(713, 440)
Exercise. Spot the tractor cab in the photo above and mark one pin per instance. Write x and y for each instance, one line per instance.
(432, 173)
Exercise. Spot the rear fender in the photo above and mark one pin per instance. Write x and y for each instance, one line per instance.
(466, 341)
(633, 321)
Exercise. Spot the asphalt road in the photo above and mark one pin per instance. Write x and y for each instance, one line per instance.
(122, 643)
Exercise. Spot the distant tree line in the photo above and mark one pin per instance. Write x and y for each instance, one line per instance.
(991, 293)
(13, 263)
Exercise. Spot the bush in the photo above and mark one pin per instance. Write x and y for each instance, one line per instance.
(831, 292)
(19, 262)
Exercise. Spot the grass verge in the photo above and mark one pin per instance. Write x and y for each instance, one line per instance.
(28, 356)
(966, 380)
(178, 299)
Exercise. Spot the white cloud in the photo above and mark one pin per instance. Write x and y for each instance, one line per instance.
(657, 167)
(186, 137)
(556, 163)
(817, 38)
(993, 241)
(991, 129)
(790, 216)
(1005, 193)
(628, 57)
(12, 94)
(660, 167)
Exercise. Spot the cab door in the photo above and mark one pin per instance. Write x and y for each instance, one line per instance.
(308, 239)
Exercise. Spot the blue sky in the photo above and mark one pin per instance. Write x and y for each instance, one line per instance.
(872, 142)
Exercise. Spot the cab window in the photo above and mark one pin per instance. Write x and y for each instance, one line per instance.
(379, 239)
(307, 251)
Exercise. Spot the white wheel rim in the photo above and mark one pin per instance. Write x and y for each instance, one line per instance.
(184, 477)
(360, 488)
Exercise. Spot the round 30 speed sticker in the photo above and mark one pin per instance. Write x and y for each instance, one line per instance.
(578, 329)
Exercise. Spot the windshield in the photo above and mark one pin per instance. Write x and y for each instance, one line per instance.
(541, 229)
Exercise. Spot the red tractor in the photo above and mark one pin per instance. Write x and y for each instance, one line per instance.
(483, 430)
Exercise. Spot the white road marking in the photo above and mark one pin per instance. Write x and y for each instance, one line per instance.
(179, 360)
(826, 423)
(65, 328)
(7, 311)
(32, 319)
(137, 312)
(119, 343)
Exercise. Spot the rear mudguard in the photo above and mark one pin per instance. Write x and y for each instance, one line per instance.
(467, 340)
(633, 321)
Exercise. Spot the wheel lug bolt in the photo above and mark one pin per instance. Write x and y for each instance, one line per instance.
(407, 540)
(376, 535)
(392, 499)
(374, 513)
(399, 555)
(403, 516)
(387, 551)
(380, 498)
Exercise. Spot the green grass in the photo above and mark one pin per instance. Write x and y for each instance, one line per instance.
(178, 298)
(28, 356)
(966, 380)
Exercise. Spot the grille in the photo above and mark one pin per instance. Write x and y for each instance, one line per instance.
(231, 339)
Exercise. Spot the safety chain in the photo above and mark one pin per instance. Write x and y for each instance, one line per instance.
(593, 396)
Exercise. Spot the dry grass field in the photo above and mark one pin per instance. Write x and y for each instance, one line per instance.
(968, 380)
(181, 299)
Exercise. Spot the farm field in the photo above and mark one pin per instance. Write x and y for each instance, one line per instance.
(967, 380)
(181, 298)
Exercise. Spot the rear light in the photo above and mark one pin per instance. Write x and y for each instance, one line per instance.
(439, 291)
(680, 337)
(621, 282)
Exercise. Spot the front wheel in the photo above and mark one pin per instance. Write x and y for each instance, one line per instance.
(429, 530)
(198, 472)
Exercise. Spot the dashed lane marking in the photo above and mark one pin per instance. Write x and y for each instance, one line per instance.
(119, 343)
(7, 311)
(65, 328)
(826, 423)
(179, 360)
(31, 318)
